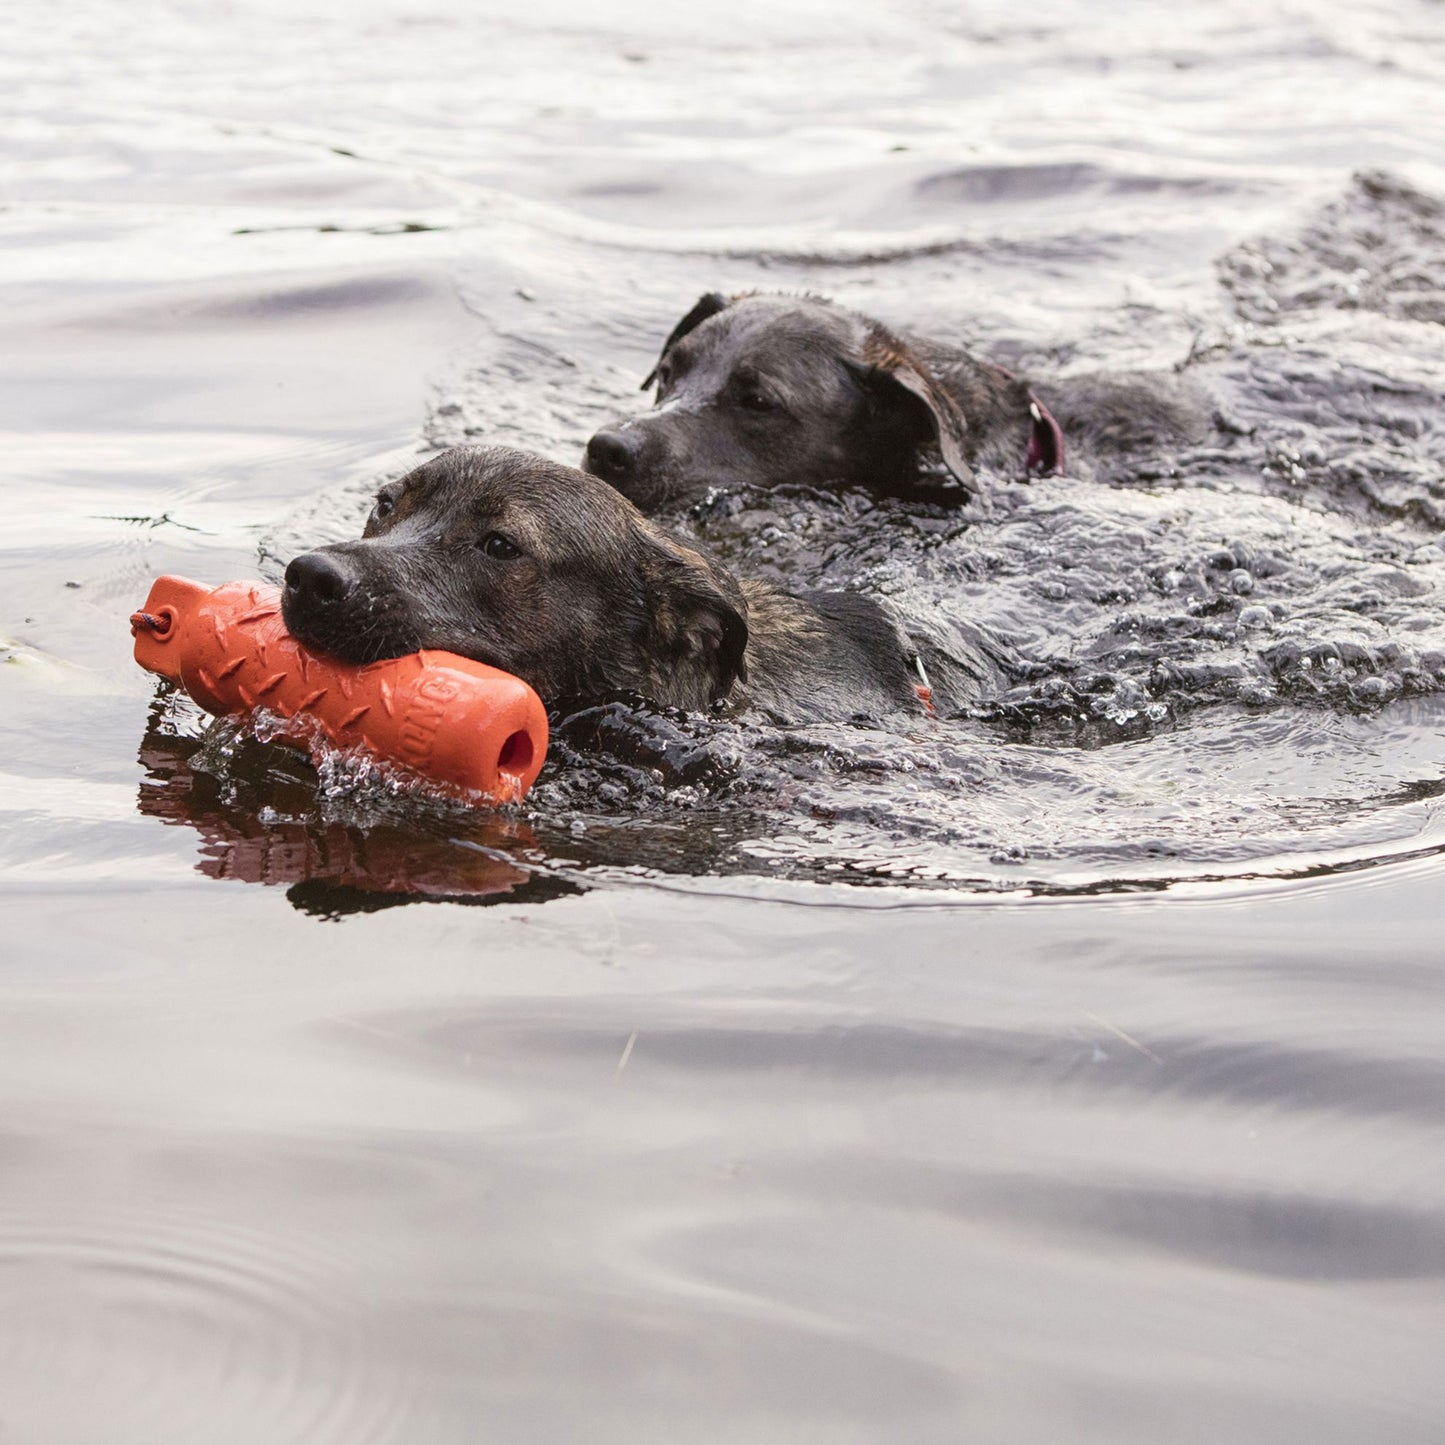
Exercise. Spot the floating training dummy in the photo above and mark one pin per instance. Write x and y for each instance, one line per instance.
(460, 723)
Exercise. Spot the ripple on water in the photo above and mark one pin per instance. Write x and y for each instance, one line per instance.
(158, 1329)
(1380, 247)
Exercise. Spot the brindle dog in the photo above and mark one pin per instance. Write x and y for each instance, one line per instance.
(762, 389)
(552, 575)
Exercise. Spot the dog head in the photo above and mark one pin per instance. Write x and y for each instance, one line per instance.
(532, 567)
(762, 390)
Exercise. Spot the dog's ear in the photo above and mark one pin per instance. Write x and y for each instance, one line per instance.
(700, 627)
(898, 381)
(708, 305)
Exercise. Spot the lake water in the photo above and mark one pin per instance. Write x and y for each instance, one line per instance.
(1068, 1069)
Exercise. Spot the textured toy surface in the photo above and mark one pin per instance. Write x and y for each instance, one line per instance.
(457, 722)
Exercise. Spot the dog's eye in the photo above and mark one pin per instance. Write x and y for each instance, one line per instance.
(384, 507)
(754, 400)
(499, 547)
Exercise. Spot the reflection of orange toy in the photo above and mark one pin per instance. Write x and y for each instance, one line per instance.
(456, 722)
(330, 868)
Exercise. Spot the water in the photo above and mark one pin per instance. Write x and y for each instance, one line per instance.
(1068, 1068)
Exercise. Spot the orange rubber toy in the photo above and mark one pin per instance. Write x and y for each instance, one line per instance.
(470, 727)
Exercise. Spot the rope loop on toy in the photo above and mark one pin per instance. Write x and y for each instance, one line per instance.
(157, 622)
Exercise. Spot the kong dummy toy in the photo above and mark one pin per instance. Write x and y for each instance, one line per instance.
(477, 731)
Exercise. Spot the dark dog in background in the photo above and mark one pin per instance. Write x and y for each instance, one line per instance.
(552, 575)
(764, 390)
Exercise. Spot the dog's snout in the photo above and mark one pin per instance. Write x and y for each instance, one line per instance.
(612, 455)
(318, 577)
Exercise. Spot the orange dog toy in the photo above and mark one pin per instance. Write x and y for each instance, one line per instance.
(457, 722)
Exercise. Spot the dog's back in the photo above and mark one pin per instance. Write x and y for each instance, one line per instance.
(1116, 421)
(822, 655)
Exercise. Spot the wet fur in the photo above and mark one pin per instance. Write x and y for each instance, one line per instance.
(597, 603)
(763, 390)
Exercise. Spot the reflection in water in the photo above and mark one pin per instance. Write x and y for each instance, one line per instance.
(634, 794)
(264, 821)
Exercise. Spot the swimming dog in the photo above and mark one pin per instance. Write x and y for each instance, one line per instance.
(554, 576)
(764, 389)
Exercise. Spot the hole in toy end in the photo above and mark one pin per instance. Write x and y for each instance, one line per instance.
(516, 755)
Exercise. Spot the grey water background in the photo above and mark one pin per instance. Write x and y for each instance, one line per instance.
(1071, 1069)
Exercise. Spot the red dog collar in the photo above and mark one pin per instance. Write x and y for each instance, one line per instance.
(1045, 456)
(1046, 442)
(922, 688)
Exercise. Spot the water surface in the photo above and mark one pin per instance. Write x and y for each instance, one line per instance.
(1068, 1068)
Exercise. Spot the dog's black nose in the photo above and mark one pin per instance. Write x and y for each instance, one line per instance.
(612, 455)
(318, 577)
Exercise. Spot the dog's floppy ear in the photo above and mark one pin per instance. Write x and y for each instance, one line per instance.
(897, 380)
(708, 305)
(700, 627)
